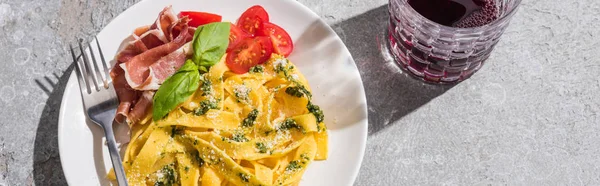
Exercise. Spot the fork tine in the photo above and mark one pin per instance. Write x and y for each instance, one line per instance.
(82, 81)
(99, 75)
(88, 68)
(103, 61)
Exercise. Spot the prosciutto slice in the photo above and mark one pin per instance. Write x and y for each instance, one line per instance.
(139, 70)
(142, 106)
(150, 36)
(155, 53)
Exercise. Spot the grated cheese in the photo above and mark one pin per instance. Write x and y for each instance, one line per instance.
(160, 174)
(279, 62)
(294, 76)
(241, 91)
(212, 115)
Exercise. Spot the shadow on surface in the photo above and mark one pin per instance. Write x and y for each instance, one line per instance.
(47, 79)
(47, 164)
(47, 169)
(391, 93)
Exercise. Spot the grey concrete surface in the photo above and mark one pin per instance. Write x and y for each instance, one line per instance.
(529, 117)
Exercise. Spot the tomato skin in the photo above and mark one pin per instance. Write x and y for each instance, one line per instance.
(200, 18)
(282, 42)
(236, 35)
(248, 53)
(252, 19)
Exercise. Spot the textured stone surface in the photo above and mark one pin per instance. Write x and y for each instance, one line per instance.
(529, 117)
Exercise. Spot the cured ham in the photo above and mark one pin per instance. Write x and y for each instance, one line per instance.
(127, 96)
(139, 69)
(141, 107)
(155, 53)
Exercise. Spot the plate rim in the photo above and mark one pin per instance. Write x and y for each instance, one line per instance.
(364, 124)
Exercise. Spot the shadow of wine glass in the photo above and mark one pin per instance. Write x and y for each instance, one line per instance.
(391, 93)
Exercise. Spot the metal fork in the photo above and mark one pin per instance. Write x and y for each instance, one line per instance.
(99, 99)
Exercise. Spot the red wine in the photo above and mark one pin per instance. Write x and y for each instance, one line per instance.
(457, 13)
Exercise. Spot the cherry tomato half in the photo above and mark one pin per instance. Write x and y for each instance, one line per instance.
(282, 42)
(248, 53)
(252, 19)
(236, 35)
(200, 18)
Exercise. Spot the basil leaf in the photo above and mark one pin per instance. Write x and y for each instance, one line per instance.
(175, 90)
(210, 42)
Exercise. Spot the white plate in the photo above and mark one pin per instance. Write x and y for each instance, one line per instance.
(319, 53)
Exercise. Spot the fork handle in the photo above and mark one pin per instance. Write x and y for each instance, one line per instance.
(114, 156)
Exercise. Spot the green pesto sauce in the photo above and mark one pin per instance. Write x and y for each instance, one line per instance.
(177, 130)
(288, 124)
(257, 69)
(169, 177)
(197, 158)
(281, 68)
(238, 137)
(304, 157)
(206, 105)
(244, 177)
(262, 148)
(206, 86)
(249, 121)
(294, 91)
(285, 71)
(303, 89)
(293, 166)
(316, 110)
(299, 90)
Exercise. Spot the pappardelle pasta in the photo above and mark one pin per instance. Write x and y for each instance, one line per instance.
(214, 103)
(257, 128)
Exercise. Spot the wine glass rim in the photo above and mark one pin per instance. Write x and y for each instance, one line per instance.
(505, 16)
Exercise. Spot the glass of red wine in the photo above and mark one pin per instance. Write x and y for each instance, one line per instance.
(446, 41)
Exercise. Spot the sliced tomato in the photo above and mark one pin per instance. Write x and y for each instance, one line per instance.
(248, 53)
(252, 19)
(200, 18)
(282, 42)
(236, 35)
